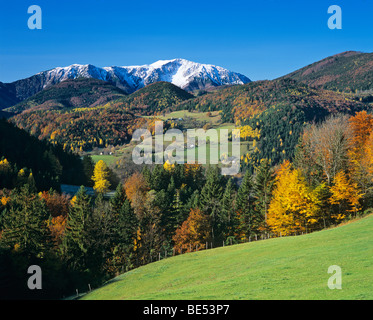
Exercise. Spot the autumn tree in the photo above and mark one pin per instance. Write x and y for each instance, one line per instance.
(136, 189)
(194, 232)
(57, 226)
(293, 207)
(101, 177)
(346, 195)
(328, 146)
(57, 204)
(367, 161)
(361, 126)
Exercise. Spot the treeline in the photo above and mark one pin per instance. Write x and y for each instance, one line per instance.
(330, 179)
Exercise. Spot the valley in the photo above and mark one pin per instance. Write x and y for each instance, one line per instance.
(300, 201)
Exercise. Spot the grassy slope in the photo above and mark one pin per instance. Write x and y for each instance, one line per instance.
(281, 268)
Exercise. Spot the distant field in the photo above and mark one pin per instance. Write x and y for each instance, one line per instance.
(214, 119)
(281, 268)
(109, 159)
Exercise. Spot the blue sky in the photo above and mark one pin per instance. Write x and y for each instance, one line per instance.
(261, 39)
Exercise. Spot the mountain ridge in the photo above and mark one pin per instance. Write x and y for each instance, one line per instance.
(349, 71)
(183, 73)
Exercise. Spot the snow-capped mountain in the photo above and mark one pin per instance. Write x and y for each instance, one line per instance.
(185, 74)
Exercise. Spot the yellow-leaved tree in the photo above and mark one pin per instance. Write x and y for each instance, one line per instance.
(346, 195)
(294, 205)
(101, 177)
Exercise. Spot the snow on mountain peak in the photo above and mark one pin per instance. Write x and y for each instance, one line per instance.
(183, 73)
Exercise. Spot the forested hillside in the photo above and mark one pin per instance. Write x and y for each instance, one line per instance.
(349, 71)
(83, 128)
(78, 93)
(26, 159)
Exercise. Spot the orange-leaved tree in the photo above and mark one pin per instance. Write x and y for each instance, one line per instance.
(57, 204)
(194, 232)
(361, 126)
(57, 226)
(136, 189)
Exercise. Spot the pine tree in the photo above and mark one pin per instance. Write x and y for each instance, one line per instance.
(147, 175)
(152, 237)
(75, 242)
(25, 224)
(178, 209)
(210, 198)
(171, 189)
(263, 186)
(119, 198)
(88, 168)
(100, 238)
(127, 230)
(159, 179)
(227, 210)
(247, 223)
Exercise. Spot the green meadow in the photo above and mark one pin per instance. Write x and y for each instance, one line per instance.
(214, 120)
(293, 267)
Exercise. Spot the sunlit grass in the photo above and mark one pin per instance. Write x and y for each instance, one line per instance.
(282, 268)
